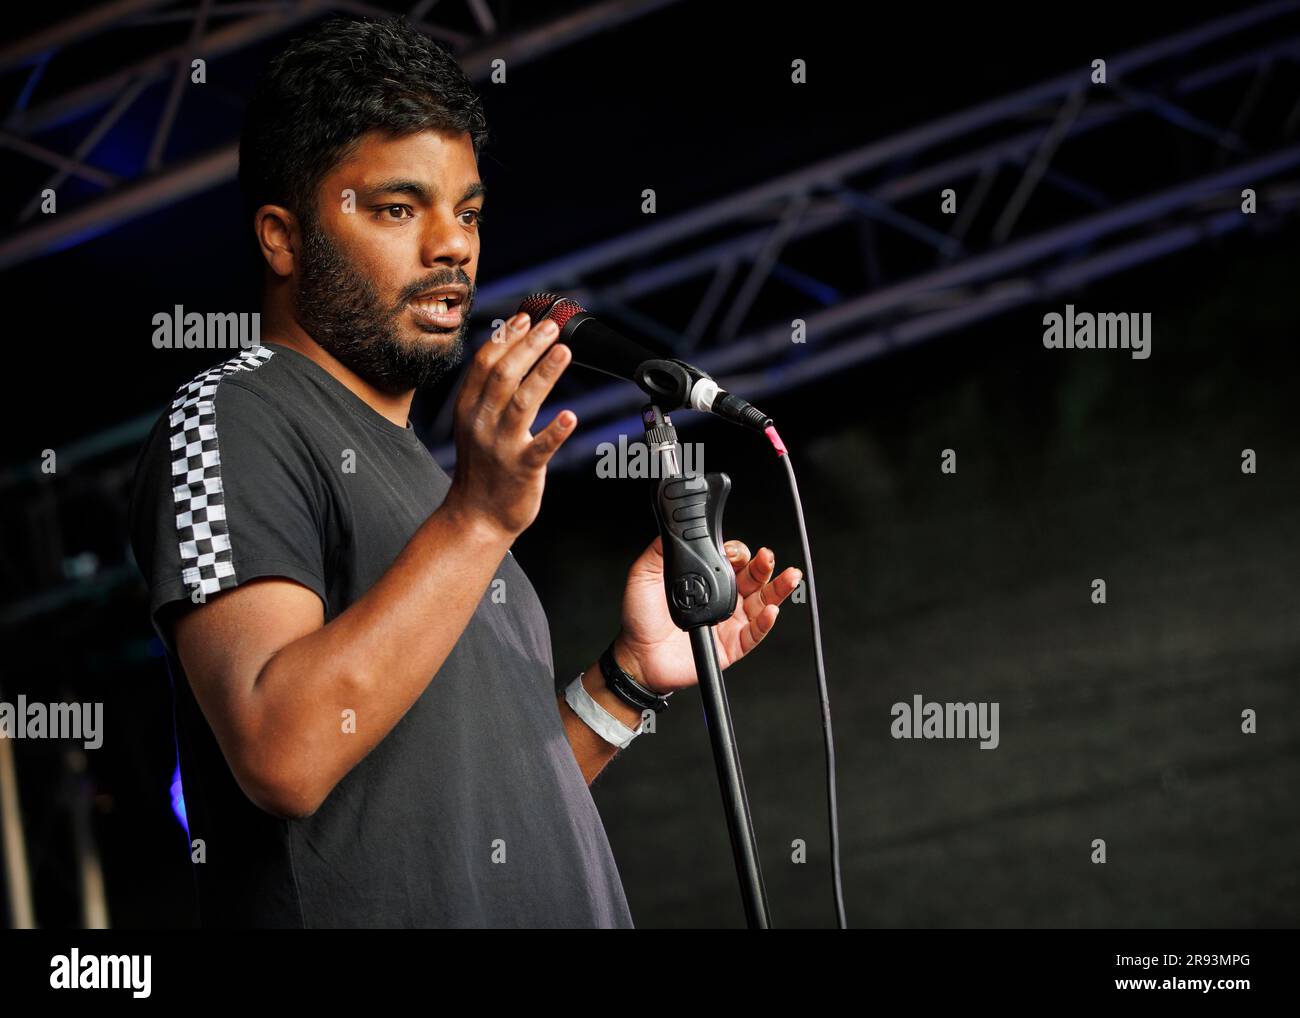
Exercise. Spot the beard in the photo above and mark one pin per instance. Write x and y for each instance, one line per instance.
(341, 310)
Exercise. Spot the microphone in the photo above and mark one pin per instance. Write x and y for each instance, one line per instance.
(670, 382)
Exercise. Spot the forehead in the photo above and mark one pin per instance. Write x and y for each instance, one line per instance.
(431, 155)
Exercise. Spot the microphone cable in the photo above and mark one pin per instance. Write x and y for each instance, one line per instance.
(832, 805)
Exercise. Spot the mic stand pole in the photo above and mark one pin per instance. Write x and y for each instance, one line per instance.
(700, 585)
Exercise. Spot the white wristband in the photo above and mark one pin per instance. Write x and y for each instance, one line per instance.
(596, 717)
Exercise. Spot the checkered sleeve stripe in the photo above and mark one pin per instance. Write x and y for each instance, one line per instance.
(207, 561)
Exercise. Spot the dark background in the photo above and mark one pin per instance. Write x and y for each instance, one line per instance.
(1119, 721)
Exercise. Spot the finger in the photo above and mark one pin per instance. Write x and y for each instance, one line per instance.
(509, 369)
(759, 626)
(737, 555)
(545, 443)
(488, 354)
(527, 399)
(773, 593)
(757, 572)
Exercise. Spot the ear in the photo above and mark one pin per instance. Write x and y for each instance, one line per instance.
(279, 238)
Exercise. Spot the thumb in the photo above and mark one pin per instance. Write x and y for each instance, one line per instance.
(651, 560)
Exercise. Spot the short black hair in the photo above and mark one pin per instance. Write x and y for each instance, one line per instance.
(329, 87)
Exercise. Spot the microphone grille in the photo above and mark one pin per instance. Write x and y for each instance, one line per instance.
(550, 305)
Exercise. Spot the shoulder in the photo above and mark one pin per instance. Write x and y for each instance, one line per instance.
(187, 424)
(184, 437)
(225, 416)
(196, 401)
(217, 398)
(226, 478)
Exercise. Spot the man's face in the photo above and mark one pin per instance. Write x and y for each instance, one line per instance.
(369, 263)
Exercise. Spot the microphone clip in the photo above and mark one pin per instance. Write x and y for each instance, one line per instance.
(668, 383)
(674, 384)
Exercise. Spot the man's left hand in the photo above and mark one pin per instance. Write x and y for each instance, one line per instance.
(658, 654)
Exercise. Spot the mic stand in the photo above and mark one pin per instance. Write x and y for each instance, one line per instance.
(700, 586)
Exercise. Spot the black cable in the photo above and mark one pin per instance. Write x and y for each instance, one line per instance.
(832, 806)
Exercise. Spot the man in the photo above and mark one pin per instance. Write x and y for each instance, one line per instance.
(367, 737)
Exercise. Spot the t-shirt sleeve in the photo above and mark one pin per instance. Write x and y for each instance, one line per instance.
(226, 491)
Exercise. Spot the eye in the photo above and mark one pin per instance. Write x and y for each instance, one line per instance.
(477, 214)
(388, 208)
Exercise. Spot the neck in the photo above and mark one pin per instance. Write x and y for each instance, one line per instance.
(397, 408)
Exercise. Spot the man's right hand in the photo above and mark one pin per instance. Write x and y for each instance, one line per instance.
(500, 464)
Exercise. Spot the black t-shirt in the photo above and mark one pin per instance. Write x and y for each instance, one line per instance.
(472, 811)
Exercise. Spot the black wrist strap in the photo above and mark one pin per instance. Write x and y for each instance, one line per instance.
(627, 688)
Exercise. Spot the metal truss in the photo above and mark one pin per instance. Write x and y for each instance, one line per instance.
(243, 25)
(1036, 219)
(1005, 160)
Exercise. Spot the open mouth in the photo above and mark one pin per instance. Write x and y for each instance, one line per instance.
(440, 307)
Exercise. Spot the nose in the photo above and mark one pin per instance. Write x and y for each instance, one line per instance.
(445, 241)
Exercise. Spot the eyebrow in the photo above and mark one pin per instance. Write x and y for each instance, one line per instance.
(417, 190)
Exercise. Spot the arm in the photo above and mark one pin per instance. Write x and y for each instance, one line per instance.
(273, 681)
